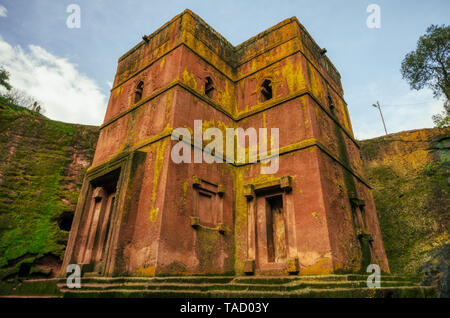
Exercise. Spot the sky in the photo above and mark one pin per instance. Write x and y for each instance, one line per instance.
(71, 70)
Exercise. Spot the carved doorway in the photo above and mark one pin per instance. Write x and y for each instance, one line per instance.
(271, 240)
(364, 237)
(97, 228)
(271, 231)
(276, 230)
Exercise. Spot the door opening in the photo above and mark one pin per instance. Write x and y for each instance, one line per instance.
(276, 230)
(99, 222)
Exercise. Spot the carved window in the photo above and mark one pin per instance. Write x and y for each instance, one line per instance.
(138, 92)
(266, 90)
(208, 204)
(209, 87)
(330, 103)
(359, 215)
(206, 207)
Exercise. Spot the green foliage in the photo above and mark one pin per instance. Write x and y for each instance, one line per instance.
(443, 119)
(429, 64)
(4, 78)
(7, 104)
(19, 97)
(16, 96)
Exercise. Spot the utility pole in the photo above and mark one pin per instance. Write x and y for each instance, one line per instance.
(377, 105)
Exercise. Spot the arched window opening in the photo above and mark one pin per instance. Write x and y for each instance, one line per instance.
(138, 92)
(330, 103)
(209, 87)
(266, 90)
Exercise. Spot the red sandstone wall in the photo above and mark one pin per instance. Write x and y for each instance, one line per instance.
(184, 249)
(343, 238)
(311, 229)
(155, 235)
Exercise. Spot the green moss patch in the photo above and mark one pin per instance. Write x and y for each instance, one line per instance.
(42, 165)
(409, 173)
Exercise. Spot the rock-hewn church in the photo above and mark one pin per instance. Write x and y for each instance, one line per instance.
(141, 214)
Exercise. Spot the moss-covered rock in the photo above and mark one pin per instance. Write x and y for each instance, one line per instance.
(409, 172)
(42, 163)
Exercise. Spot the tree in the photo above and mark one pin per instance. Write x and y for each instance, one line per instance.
(19, 97)
(429, 65)
(443, 119)
(4, 78)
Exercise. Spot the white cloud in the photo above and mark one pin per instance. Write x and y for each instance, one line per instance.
(65, 93)
(3, 12)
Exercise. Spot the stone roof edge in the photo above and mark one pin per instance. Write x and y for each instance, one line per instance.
(225, 41)
(165, 25)
(303, 29)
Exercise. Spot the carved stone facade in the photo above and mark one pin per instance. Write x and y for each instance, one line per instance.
(139, 213)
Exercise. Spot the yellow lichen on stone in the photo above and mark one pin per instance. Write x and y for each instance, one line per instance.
(162, 62)
(159, 160)
(321, 267)
(154, 215)
(226, 97)
(148, 271)
(189, 79)
(185, 188)
(117, 91)
(294, 77)
(169, 105)
(240, 217)
(214, 124)
(344, 114)
(207, 243)
(316, 86)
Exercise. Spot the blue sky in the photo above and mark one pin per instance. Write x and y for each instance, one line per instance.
(70, 70)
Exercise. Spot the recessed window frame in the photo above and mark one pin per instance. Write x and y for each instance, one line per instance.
(138, 93)
(209, 87)
(266, 90)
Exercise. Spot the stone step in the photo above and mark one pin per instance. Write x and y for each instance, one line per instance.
(158, 280)
(383, 292)
(232, 286)
(296, 285)
(324, 278)
(352, 277)
(235, 279)
(351, 285)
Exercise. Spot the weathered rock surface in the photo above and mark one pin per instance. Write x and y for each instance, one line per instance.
(410, 172)
(42, 163)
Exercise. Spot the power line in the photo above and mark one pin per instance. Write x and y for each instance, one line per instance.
(421, 103)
